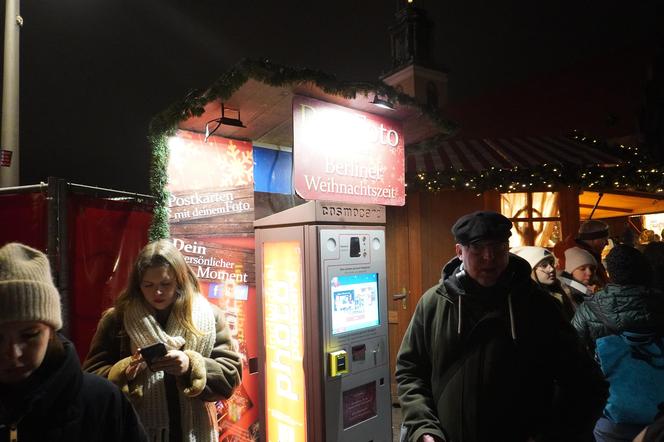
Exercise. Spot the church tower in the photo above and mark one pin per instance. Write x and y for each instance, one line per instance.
(413, 71)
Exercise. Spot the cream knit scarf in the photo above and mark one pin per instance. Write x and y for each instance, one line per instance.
(195, 415)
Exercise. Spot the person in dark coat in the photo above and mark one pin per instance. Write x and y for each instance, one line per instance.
(627, 303)
(44, 395)
(488, 355)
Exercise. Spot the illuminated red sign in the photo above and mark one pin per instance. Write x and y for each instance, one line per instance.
(342, 154)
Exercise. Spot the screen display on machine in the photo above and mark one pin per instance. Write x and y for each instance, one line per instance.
(354, 302)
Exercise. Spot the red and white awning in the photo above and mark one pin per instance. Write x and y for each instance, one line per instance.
(505, 153)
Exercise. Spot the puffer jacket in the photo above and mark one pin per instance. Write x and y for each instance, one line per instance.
(61, 403)
(480, 364)
(628, 308)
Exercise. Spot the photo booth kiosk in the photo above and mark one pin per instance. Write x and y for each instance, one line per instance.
(321, 276)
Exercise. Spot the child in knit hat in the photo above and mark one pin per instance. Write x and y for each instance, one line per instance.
(44, 395)
(543, 265)
(577, 278)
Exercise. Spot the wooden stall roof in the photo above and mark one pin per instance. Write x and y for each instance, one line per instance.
(266, 109)
(477, 155)
(619, 204)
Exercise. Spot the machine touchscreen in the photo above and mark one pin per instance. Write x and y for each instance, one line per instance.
(354, 302)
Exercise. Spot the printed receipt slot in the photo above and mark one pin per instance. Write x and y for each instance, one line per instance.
(325, 371)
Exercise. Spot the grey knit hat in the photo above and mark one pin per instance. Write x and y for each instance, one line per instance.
(27, 292)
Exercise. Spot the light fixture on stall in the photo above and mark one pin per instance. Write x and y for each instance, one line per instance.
(228, 121)
(383, 103)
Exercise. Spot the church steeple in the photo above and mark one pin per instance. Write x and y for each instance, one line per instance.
(412, 69)
(410, 36)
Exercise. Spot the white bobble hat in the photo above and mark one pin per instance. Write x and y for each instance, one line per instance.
(533, 254)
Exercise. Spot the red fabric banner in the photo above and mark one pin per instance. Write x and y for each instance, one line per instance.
(23, 218)
(105, 237)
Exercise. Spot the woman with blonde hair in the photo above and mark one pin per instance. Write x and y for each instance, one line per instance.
(172, 391)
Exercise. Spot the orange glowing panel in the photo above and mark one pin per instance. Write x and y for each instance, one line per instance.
(284, 373)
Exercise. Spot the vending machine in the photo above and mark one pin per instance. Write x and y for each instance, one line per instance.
(321, 279)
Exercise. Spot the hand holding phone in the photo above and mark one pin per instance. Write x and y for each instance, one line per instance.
(153, 352)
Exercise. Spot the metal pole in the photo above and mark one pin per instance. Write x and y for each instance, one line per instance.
(9, 176)
(601, 194)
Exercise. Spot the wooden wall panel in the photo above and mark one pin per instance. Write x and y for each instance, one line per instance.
(569, 211)
(438, 213)
(396, 237)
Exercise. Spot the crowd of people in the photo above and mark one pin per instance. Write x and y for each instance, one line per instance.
(122, 392)
(530, 344)
(515, 345)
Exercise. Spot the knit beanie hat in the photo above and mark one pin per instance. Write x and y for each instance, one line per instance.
(27, 292)
(534, 255)
(576, 257)
(626, 265)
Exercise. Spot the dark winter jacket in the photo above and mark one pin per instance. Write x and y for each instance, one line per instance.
(61, 403)
(479, 364)
(628, 308)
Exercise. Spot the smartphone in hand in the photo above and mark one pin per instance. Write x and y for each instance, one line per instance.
(153, 352)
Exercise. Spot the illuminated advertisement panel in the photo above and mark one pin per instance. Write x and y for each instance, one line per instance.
(210, 215)
(341, 154)
(284, 372)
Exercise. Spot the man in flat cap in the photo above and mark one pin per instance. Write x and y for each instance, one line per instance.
(593, 236)
(488, 356)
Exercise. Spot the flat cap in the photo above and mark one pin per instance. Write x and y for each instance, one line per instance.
(482, 225)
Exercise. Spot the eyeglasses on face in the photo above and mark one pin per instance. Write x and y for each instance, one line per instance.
(479, 248)
(544, 265)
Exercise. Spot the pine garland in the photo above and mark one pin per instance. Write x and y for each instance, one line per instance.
(636, 173)
(166, 123)
(158, 180)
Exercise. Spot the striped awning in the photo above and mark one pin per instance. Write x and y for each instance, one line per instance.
(476, 155)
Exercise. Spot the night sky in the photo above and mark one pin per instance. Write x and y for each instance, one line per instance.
(94, 72)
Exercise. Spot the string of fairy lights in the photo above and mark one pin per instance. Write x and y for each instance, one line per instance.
(165, 124)
(635, 173)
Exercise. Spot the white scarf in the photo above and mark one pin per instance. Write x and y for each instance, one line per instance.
(195, 415)
(577, 285)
